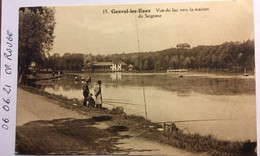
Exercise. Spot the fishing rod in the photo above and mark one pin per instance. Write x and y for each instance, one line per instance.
(144, 99)
(123, 103)
(115, 99)
(109, 104)
(195, 120)
(138, 43)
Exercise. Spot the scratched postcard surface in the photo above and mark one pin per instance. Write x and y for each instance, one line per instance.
(175, 78)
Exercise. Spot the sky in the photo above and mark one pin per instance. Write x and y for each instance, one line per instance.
(85, 29)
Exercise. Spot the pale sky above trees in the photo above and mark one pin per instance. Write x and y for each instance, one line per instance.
(85, 29)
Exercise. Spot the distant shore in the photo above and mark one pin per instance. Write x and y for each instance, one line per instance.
(160, 71)
(176, 138)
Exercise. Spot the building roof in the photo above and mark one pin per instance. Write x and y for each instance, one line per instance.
(183, 45)
(102, 64)
(123, 64)
(130, 66)
(106, 63)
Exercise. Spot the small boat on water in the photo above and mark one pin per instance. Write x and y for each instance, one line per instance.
(176, 70)
(33, 79)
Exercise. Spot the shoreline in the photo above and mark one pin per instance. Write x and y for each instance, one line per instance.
(201, 71)
(147, 129)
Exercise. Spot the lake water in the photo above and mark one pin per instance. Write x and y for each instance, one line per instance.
(221, 105)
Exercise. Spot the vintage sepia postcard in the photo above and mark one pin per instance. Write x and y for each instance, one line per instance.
(143, 78)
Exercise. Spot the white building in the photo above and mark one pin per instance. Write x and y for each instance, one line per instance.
(109, 66)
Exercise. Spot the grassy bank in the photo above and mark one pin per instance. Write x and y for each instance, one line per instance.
(145, 128)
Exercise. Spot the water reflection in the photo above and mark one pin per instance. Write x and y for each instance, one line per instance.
(115, 76)
(183, 86)
(230, 100)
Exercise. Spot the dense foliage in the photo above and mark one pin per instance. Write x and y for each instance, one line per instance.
(231, 56)
(36, 26)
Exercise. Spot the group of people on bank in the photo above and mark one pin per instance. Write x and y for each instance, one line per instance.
(88, 96)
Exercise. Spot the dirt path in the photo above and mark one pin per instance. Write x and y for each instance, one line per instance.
(46, 128)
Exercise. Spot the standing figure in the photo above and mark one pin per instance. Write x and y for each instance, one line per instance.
(98, 94)
(85, 93)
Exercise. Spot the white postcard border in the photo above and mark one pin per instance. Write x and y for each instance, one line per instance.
(9, 28)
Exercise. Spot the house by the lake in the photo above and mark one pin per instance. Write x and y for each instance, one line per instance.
(183, 46)
(108, 66)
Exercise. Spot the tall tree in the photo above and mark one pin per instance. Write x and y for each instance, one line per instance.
(36, 26)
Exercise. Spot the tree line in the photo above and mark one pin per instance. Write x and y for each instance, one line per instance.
(36, 27)
(229, 56)
(36, 37)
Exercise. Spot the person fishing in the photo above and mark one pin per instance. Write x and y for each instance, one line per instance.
(90, 100)
(86, 92)
(98, 94)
